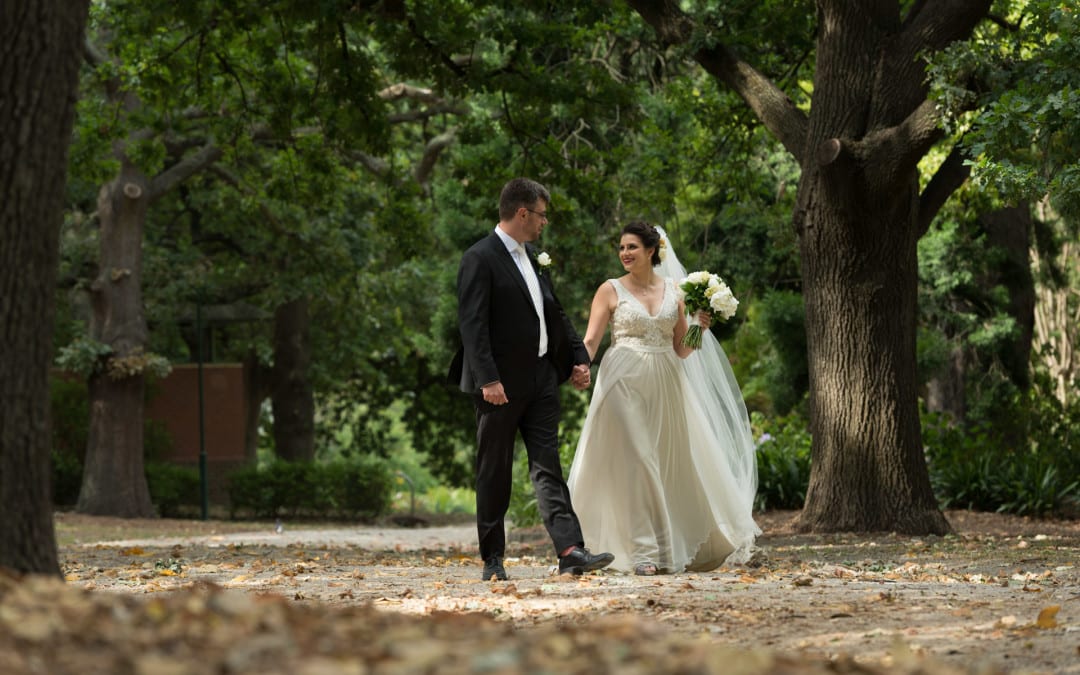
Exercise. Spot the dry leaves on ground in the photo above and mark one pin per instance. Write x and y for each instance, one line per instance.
(1001, 595)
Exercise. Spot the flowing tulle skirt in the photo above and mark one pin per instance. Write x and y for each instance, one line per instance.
(649, 481)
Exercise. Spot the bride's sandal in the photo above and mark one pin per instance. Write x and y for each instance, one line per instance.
(645, 570)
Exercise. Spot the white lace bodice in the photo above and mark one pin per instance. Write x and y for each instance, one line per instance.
(633, 326)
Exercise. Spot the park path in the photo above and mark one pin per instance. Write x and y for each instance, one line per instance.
(445, 537)
(1002, 594)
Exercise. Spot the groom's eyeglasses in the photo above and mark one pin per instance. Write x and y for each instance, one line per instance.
(542, 214)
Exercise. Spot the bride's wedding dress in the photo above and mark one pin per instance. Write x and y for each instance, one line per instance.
(652, 479)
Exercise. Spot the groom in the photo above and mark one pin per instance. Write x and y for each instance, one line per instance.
(518, 345)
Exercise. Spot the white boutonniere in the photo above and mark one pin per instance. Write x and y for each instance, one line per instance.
(543, 260)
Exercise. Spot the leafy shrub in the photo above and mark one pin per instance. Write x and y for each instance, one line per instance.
(1024, 463)
(783, 461)
(345, 488)
(442, 499)
(364, 486)
(172, 487)
(249, 492)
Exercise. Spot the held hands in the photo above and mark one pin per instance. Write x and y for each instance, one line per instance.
(581, 378)
(495, 394)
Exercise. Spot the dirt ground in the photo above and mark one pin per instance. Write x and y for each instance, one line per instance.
(1000, 595)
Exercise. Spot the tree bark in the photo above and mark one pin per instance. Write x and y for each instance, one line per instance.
(292, 396)
(860, 285)
(114, 479)
(39, 69)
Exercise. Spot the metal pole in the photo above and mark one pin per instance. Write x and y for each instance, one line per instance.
(203, 485)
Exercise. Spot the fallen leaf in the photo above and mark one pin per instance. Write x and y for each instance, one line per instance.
(1047, 617)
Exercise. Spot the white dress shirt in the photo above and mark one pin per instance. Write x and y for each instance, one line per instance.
(521, 257)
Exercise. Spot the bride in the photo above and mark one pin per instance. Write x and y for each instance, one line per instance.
(664, 474)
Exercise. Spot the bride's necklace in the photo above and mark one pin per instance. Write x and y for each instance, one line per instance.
(638, 289)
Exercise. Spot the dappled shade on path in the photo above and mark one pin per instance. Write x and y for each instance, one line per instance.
(51, 627)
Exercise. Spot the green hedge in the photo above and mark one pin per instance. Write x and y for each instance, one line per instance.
(355, 488)
(174, 489)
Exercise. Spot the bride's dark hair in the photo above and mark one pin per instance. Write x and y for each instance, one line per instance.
(648, 235)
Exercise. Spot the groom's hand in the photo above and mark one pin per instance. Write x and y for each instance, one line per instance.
(581, 378)
(494, 393)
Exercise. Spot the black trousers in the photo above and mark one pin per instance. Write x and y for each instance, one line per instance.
(535, 414)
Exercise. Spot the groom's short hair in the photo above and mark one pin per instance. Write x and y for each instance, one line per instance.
(518, 193)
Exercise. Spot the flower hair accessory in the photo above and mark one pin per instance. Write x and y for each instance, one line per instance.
(663, 249)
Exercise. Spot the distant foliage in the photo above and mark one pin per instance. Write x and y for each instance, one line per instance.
(357, 488)
(769, 354)
(783, 461)
(1032, 467)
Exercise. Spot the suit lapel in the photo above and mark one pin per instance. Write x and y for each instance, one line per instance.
(506, 260)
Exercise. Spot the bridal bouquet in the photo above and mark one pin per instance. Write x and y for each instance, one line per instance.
(705, 291)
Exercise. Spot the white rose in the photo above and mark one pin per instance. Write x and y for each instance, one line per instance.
(724, 303)
(698, 278)
(544, 259)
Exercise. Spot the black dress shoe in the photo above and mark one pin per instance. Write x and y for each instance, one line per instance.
(580, 561)
(493, 567)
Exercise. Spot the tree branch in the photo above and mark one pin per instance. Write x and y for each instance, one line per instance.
(376, 165)
(401, 90)
(243, 189)
(892, 151)
(949, 177)
(427, 113)
(184, 169)
(431, 155)
(940, 23)
(770, 104)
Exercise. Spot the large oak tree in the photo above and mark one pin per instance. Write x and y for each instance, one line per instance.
(39, 68)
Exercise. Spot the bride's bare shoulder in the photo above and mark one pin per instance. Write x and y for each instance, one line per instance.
(606, 293)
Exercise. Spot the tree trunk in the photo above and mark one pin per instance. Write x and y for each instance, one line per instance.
(945, 393)
(1010, 230)
(292, 396)
(1057, 324)
(114, 479)
(38, 76)
(860, 286)
(257, 389)
(859, 222)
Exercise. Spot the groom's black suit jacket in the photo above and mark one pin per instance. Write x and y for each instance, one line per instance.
(500, 331)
